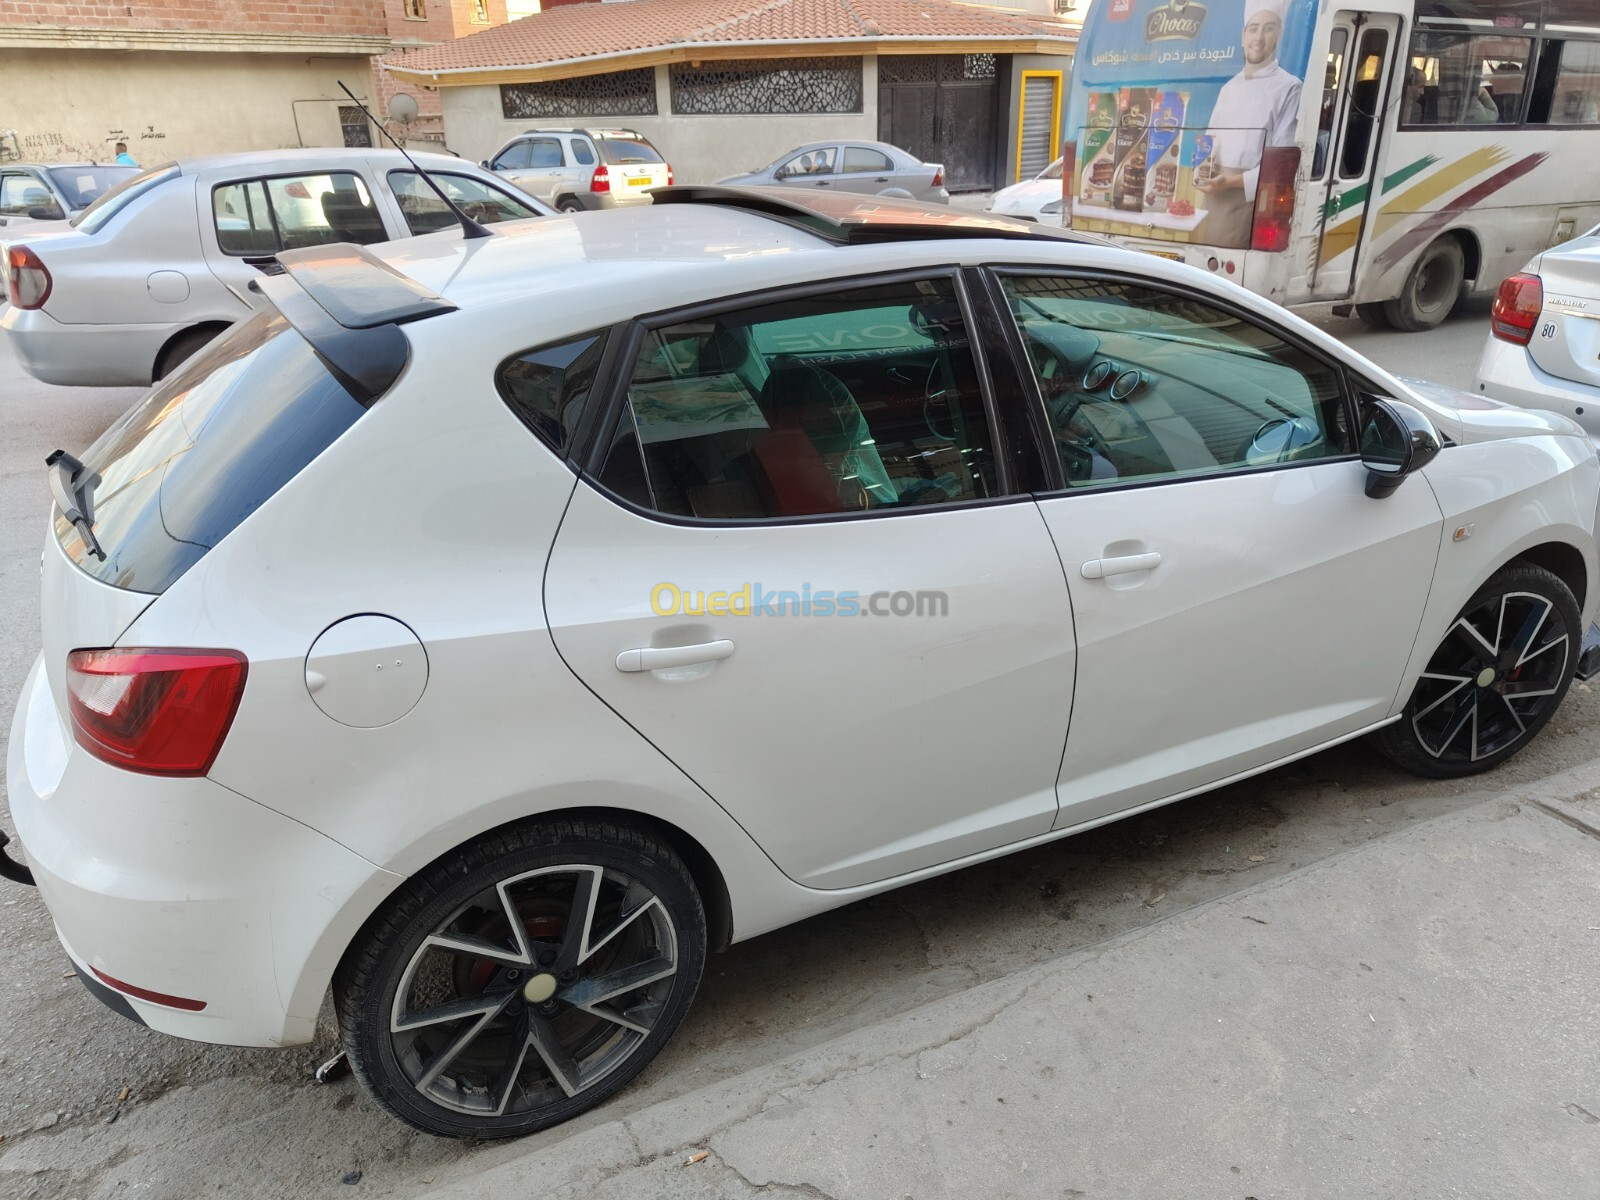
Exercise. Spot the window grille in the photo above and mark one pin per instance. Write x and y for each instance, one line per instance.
(767, 85)
(617, 94)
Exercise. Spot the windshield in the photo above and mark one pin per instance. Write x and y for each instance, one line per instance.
(627, 150)
(1053, 171)
(82, 186)
(98, 214)
(182, 469)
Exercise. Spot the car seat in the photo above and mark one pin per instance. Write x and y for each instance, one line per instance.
(818, 455)
(349, 220)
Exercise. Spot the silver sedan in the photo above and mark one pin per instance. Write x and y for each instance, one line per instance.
(869, 168)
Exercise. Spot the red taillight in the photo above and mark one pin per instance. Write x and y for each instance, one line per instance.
(297, 190)
(1516, 308)
(146, 994)
(600, 181)
(158, 712)
(669, 174)
(1275, 198)
(938, 177)
(29, 281)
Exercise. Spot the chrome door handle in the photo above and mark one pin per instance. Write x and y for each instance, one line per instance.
(657, 658)
(1101, 568)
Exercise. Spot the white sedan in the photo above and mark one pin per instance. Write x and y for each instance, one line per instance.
(1543, 349)
(506, 624)
(163, 262)
(1036, 199)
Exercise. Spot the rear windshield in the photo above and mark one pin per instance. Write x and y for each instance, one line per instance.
(627, 150)
(82, 186)
(204, 450)
(118, 198)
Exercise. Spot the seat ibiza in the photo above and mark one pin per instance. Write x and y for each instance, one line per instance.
(494, 626)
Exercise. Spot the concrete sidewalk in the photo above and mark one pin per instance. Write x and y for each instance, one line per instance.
(1417, 1017)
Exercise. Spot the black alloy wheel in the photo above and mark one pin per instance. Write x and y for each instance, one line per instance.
(523, 979)
(1496, 678)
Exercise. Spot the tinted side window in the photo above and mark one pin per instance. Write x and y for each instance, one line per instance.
(513, 158)
(1142, 384)
(582, 152)
(425, 212)
(243, 220)
(544, 152)
(859, 158)
(548, 387)
(866, 398)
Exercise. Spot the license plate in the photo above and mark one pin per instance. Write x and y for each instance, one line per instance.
(1172, 254)
(638, 181)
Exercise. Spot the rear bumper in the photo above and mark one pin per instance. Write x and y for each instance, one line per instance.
(1507, 373)
(182, 887)
(85, 355)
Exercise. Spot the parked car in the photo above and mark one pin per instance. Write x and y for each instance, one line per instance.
(41, 194)
(506, 626)
(868, 168)
(160, 264)
(1543, 349)
(578, 169)
(1036, 199)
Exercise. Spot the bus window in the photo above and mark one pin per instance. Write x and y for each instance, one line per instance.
(1330, 100)
(1465, 79)
(1574, 99)
(1366, 94)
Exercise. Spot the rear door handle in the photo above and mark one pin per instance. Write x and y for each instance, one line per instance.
(1101, 568)
(658, 658)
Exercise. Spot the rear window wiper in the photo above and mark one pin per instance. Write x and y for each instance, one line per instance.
(72, 486)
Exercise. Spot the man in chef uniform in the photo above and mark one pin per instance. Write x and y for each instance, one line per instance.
(1257, 107)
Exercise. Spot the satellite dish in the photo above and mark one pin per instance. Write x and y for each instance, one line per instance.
(403, 108)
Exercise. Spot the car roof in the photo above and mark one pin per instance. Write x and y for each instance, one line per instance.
(313, 158)
(587, 131)
(50, 166)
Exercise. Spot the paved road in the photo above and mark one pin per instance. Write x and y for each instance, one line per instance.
(205, 1120)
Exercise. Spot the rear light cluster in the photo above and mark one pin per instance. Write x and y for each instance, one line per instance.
(27, 280)
(1274, 215)
(600, 181)
(1516, 309)
(669, 174)
(157, 712)
(938, 177)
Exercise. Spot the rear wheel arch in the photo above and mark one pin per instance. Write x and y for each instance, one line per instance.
(181, 345)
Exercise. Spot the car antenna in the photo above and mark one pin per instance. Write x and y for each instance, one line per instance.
(469, 227)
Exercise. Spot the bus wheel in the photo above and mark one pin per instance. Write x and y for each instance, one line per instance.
(1431, 290)
(1372, 316)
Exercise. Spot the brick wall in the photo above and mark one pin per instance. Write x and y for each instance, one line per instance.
(359, 17)
(442, 21)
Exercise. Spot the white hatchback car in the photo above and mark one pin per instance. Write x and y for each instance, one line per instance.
(508, 623)
(1036, 199)
(1543, 349)
(162, 263)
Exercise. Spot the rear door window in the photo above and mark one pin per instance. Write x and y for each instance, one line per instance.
(263, 216)
(182, 469)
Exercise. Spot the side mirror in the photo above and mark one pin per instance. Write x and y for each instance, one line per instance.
(485, 165)
(1396, 440)
(781, 173)
(47, 212)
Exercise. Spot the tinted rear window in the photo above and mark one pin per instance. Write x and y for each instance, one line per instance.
(118, 198)
(626, 150)
(206, 449)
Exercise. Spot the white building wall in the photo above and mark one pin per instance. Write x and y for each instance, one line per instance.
(701, 149)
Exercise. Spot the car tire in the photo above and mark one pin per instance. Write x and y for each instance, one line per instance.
(569, 205)
(1372, 316)
(181, 349)
(1463, 716)
(527, 1031)
(1431, 288)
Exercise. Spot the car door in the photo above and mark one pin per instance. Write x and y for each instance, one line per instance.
(866, 170)
(512, 162)
(1238, 598)
(799, 572)
(546, 169)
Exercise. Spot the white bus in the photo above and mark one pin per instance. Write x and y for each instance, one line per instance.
(1435, 146)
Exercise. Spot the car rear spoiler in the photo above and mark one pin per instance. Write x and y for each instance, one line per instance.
(349, 305)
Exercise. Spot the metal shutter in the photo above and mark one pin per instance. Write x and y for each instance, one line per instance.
(1039, 100)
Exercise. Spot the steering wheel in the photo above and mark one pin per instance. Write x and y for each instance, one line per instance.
(1079, 448)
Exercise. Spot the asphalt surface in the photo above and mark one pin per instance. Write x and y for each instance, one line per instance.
(200, 1120)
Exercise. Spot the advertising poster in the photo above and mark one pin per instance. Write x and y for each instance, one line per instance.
(1172, 104)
